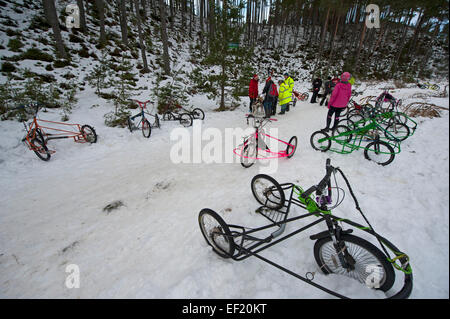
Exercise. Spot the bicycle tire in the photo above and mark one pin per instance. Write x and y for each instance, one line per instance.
(168, 116)
(341, 129)
(358, 120)
(146, 128)
(186, 119)
(88, 133)
(198, 114)
(130, 124)
(41, 149)
(217, 235)
(325, 145)
(396, 132)
(376, 150)
(294, 142)
(325, 252)
(267, 191)
(247, 158)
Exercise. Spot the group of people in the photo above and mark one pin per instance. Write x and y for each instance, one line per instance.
(274, 95)
(336, 95)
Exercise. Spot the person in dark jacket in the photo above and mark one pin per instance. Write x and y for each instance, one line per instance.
(317, 84)
(327, 91)
(270, 89)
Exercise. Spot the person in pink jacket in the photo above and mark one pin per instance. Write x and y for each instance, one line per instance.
(339, 99)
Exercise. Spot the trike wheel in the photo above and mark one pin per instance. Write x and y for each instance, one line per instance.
(357, 119)
(304, 96)
(216, 233)
(267, 191)
(156, 121)
(185, 120)
(168, 116)
(39, 147)
(146, 128)
(130, 124)
(380, 152)
(370, 265)
(198, 114)
(396, 132)
(89, 134)
(320, 141)
(346, 136)
(248, 155)
(292, 147)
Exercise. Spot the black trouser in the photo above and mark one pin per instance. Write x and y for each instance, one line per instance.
(333, 110)
(324, 98)
(314, 96)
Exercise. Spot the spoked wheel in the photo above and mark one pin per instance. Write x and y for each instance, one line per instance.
(186, 120)
(130, 124)
(344, 111)
(249, 154)
(359, 260)
(146, 128)
(380, 152)
(89, 133)
(155, 122)
(346, 122)
(292, 147)
(342, 133)
(358, 120)
(198, 114)
(267, 191)
(39, 147)
(168, 116)
(320, 141)
(304, 96)
(216, 233)
(396, 132)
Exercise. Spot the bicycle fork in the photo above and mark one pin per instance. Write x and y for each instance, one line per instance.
(345, 259)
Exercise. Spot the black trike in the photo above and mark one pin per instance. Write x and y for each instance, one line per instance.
(336, 250)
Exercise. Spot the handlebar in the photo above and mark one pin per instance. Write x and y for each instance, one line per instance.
(141, 103)
(323, 183)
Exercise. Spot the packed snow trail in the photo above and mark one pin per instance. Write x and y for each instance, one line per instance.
(51, 213)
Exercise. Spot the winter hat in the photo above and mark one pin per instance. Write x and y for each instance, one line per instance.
(286, 74)
(255, 76)
(345, 76)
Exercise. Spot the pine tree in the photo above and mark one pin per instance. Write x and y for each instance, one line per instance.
(224, 50)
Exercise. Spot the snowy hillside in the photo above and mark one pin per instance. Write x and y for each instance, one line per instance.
(52, 213)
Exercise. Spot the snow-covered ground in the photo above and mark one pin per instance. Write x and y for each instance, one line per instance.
(51, 213)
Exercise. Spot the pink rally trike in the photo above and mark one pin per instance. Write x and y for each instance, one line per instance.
(255, 147)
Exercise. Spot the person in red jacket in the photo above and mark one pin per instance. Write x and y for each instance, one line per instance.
(339, 99)
(253, 90)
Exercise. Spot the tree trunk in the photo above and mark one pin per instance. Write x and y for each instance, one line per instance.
(145, 69)
(358, 52)
(324, 31)
(52, 18)
(162, 9)
(82, 16)
(101, 14)
(202, 9)
(123, 21)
